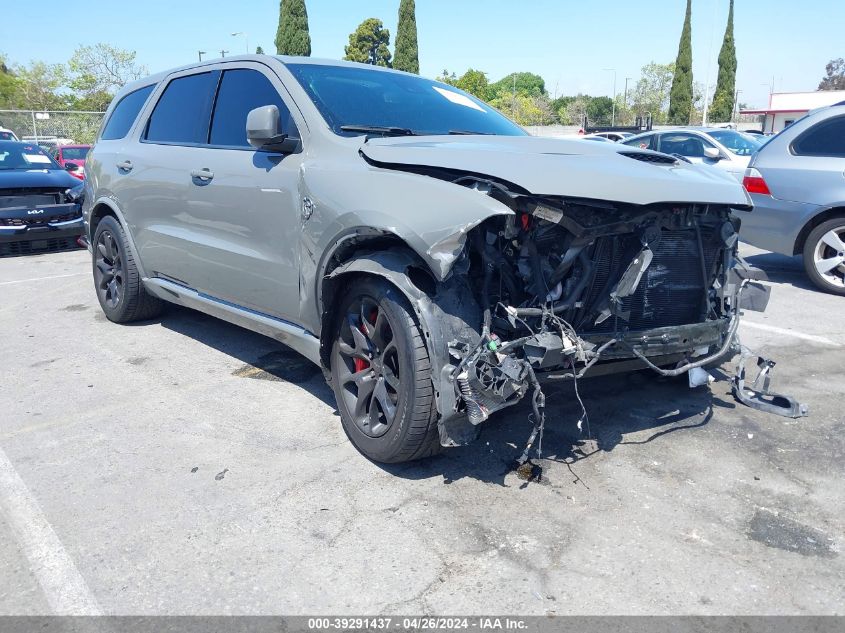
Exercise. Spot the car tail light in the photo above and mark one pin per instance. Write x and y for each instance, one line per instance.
(755, 183)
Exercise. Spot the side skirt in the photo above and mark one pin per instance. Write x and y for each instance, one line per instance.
(295, 337)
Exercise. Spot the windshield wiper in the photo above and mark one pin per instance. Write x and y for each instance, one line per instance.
(379, 129)
(470, 132)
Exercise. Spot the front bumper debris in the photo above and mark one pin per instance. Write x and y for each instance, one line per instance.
(758, 396)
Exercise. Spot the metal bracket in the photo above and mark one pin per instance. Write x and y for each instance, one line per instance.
(758, 395)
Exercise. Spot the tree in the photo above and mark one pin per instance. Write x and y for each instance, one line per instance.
(474, 82)
(407, 51)
(723, 99)
(525, 83)
(292, 36)
(680, 97)
(38, 85)
(525, 109)
(448, 78)
(835, 78)
(8, 87)
(96, 72)
(259, 50)
(369, 44)
(651, 92)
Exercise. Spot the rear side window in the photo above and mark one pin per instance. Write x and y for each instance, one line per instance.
(181, 114)
(125, 113)
(824, 139)
(240, 91)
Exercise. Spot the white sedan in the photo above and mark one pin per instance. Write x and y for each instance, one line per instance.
(723, 148)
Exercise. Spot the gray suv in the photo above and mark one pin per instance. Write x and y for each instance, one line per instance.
(430, 256)
(797, 182)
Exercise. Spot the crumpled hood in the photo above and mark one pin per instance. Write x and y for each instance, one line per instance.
(26, 178)
(563, 167)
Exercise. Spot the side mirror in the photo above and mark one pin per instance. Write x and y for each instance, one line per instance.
(262, 131)
(71, 167)
(712, 153)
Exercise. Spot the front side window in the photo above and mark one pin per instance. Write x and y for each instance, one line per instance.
(181, 114)
(125, 113)
(348, 96)
(823, 139)
(688, 145)
(642, 142)
(240, 91)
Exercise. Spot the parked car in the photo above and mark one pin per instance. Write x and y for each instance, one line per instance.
(40, 203)
(427, 253)
(613, 136)
(72, 158)
(7, 135)
(721, 147)
(797, 183)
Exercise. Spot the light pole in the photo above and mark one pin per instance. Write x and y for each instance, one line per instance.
(201, 53)
(625, 97)
(613, 97)
(246, 39)
(736, 105)
(223, 53)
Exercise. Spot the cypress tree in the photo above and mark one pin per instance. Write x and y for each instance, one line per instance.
(680, 98)
(292, 36)
(407, 52)
(723, 99)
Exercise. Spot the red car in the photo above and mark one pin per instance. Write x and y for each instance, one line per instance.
(72, 158)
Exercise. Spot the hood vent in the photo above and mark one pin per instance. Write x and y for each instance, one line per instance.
(657, 159)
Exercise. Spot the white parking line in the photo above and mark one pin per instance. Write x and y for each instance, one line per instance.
(779, 330)
(25, 281)
(63, 586)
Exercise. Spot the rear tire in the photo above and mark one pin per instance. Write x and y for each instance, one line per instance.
(117, 281)
(381, 374)
(824, 256)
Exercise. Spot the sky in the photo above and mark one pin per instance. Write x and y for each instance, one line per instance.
(569, 43)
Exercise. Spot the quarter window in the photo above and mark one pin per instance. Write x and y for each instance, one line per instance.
(125, 113)
(242, 90)
(181, 114)
(823, 139)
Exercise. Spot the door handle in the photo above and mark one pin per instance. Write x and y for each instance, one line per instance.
(125, 165)
(204, 174)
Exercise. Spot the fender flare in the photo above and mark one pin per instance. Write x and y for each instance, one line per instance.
(115, 210)
(451, 314)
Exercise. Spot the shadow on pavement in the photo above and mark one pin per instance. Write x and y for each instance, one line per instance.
(617, 406)
(783, 269)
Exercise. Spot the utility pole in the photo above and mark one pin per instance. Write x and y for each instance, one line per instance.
(201, 53)
(736, 105)
(223, 53)
(709, 58)
(613, 98)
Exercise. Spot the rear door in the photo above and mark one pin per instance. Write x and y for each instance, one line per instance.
(157, 180)
(243, 204)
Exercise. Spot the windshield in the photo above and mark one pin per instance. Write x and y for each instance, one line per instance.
(24, 156)
(348, 96)
(738, 143)
(74, 153)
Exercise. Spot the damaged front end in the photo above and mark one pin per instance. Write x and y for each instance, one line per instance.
(570, 288)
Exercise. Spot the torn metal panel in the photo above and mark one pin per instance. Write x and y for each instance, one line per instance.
(758, 396)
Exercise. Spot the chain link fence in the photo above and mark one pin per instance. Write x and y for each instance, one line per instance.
(61, 127)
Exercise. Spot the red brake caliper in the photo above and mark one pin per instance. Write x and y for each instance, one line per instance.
(360, 363)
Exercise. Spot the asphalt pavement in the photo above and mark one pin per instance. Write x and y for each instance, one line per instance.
(186, 466)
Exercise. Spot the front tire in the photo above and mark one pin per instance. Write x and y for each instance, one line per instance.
(824, 256)
(121, 293)
(381, 374)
